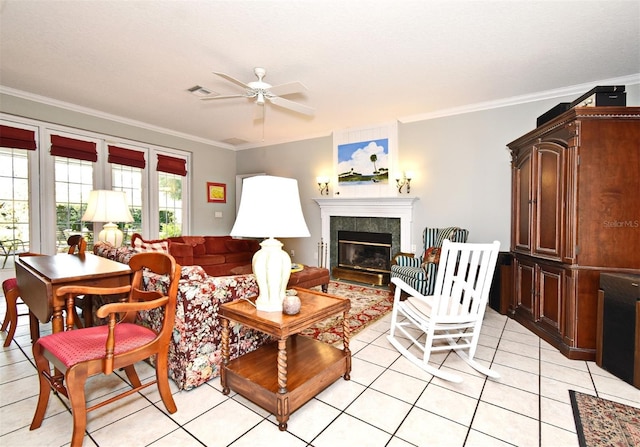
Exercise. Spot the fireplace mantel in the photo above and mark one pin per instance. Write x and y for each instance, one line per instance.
(396, 207)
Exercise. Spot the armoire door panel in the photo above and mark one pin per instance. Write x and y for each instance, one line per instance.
(548, 201)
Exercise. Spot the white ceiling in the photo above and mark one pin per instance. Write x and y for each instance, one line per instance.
(364, 62)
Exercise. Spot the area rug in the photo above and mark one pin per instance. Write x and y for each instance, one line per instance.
(601, 422)
(368, 304)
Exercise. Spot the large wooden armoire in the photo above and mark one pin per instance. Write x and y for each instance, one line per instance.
(575, 214)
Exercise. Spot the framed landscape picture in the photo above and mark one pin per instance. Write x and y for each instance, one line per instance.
(364, 160)
(216, 192)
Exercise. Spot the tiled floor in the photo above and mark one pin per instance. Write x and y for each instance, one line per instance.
(387, 402)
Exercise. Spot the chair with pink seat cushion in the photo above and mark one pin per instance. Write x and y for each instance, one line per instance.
(13, 300)
(79, 354)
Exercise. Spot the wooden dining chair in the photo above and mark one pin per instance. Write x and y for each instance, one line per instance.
(13, 301)
(78, 245)
(79, 354)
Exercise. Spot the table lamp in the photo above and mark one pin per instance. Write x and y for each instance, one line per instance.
(269, 208)
(108, 206)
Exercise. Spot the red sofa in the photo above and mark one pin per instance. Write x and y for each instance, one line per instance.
(217, 255)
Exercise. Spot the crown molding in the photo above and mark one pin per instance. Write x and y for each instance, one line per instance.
(98, 114)
(522, 99)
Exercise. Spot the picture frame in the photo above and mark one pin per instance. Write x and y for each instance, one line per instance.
(216, 192)
(365, 159)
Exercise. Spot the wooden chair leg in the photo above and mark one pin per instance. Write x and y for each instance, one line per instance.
(75, 379)
(42, 364)
(132, 375)
(162, 380)
(11, 297)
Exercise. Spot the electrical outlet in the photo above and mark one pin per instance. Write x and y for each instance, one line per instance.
(413, 248)
(293, 252)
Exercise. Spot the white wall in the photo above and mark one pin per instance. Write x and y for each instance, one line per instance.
(461, 166)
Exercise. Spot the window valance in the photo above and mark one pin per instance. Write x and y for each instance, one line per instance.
(72, 148)
(17, 138)
(127, 157)
(172, 165)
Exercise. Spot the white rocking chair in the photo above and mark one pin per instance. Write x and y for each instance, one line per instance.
(453, 314)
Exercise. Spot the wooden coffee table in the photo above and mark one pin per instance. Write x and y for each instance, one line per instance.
(284, 375)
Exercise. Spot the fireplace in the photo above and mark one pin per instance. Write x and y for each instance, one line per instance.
(363, 256)
(373, 214)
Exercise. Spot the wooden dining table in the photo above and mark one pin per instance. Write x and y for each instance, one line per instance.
(40, 276)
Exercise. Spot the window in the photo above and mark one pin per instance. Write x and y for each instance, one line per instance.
(54, 182)
(170, 204)
(129, 180)
(14, 197)
(73, 182)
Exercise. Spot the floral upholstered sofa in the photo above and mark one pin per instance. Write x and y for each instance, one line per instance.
(195, 351)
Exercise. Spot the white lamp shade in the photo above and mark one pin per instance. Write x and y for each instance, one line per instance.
(107, 206)
(270, 207)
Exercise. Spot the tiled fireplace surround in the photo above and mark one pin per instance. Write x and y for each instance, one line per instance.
(375, 214)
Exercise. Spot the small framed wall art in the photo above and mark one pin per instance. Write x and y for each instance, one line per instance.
(216, 192)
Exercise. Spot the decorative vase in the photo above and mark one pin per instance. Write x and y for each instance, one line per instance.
(291, 304)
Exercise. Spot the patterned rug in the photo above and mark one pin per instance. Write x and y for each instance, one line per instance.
(368, 305)
(601, 422)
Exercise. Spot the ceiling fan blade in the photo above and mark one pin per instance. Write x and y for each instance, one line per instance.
(232, 79)
(223, 97)
(295, 106)
(288, 89)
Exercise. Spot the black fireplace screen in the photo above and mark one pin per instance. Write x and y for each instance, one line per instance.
(364, 251)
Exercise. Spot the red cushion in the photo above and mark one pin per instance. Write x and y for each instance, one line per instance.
(80, 345)
(236, 245)
(9, 284)
(216, 244)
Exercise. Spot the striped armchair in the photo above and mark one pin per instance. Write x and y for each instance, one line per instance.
(410, 268)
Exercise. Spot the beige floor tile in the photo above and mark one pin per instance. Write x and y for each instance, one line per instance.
(137, 429)
(347, 430)
(448, 404)
(307, 422)
(558, 414)
(552, 436)
(400, 386)
(512, 399)
(364, 372)
(341, 393)
(268, 431)
(506, 425)
(380, 356)
(223, 424)
(379, 409)
(423, 428)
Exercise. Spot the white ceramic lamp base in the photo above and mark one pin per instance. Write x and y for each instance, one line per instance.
(112, 234)
(272, 267)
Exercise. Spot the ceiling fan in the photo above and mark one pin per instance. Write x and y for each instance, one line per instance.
(263, 92)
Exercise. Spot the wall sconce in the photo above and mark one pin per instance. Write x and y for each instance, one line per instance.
(323, 185)
(404, 180)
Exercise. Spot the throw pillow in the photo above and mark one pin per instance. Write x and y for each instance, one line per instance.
(431, 256)
(142, 246)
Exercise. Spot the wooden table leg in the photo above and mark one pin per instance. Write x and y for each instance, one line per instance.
(346, 334)
(57, 324)
(283, 400)
(225, 356)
